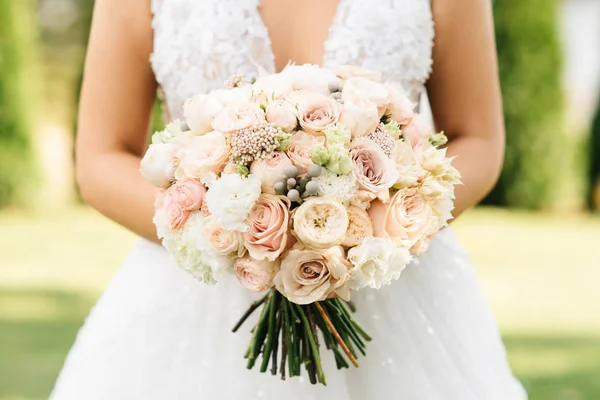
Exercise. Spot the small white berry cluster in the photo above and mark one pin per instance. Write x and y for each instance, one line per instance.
(383, 139)
(254, 143)
(234, 81)
(296, 189)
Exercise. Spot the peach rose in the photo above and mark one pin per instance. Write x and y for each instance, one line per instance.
(373, 170)
(361, 116)
(199, 112)
(270, 170)
(301, 143)
(346, 72)
(317, 112)
(363, 88)
(418, 131)
(188, 193)
(320, 223)
(359, 227)
(176, 216)
(255, 275)
(238, 115)
(400, 108)
(222, 241)
(307, 275)
(208, 153)
(407, 219)
(282, 114)
(269, 222)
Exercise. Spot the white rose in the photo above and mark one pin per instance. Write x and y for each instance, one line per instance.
(360, 116)
(356, 88)
(199, 112)
(159, 164)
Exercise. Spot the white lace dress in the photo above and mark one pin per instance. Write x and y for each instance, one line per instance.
(156, 333)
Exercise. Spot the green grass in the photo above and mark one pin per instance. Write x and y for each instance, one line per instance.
(540, 273)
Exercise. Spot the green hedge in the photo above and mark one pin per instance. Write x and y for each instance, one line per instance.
(16, 155)
(594, 155)
(529, 57)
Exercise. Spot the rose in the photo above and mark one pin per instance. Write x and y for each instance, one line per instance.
(346, 72)
(400, 108)
(373, 170)
(359, 227)
(407, 219)
(222, 241)
(317, 112)
(300, 148)
(199, 112)
(255, 275)
(188, 193)
(360, 116)
(176, 216)
(238, 115)
(320, 223)
(270, 170)
(418, 131)
(208, 153)
(308, 275)
(269, 223)
(282, 114)
(362, 199)
(363, 88)
(310, 77)
(159, 164)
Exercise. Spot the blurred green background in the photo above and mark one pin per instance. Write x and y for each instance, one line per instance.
(533, 243)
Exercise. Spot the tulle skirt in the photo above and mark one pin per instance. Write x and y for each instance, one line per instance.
(156, 334)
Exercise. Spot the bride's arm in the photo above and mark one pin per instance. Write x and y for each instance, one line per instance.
(116, 100)
(465, 94)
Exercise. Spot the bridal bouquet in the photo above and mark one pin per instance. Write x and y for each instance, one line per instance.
(307, 185)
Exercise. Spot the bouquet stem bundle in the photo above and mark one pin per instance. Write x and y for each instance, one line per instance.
(288, 333)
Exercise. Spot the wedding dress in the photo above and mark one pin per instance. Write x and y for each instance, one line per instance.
(157, 333)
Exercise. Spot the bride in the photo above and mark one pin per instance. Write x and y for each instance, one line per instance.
(156, 333)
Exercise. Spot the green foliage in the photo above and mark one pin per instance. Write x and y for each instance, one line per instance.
(594, 155)
(530, 65)
(16, 155)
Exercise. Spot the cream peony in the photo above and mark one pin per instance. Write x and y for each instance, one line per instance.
(320, 223)
(270, 170)
(208, 153)
(222, 241)
(255, 275)
(377, 262)
(317, 112)
(269, 221)
(346, 72)
(374, 171)
(282, 114)
(159, 164)
(199, 112)
(361, 116)
(307, 275)
(359, 226)
(238, 115)
(230, 200)
(299, 152)
(272, 87)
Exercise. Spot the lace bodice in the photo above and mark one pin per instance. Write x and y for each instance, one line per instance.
(200, 43)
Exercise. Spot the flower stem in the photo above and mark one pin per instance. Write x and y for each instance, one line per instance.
(249, 312)
(313, 344)
(335, 334)
(258, 337)
(273, 303)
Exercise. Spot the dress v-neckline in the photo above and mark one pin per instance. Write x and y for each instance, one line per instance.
(334, 23)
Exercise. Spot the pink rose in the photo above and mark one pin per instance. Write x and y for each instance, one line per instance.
(188, 193)
(255, 275)
(360, 115)
(346, 72)
(269, 223)
(301, 143)
(208, 153)
(418, 131)
(223, 241)
(238, 115)
(282, 114)
(317, 112)
(270, 170)
(199, 112)
(373, 170)
(308, 275)
(359, 227)
(363, 88)
(408, 219)
(400, 108)
(176, 216)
